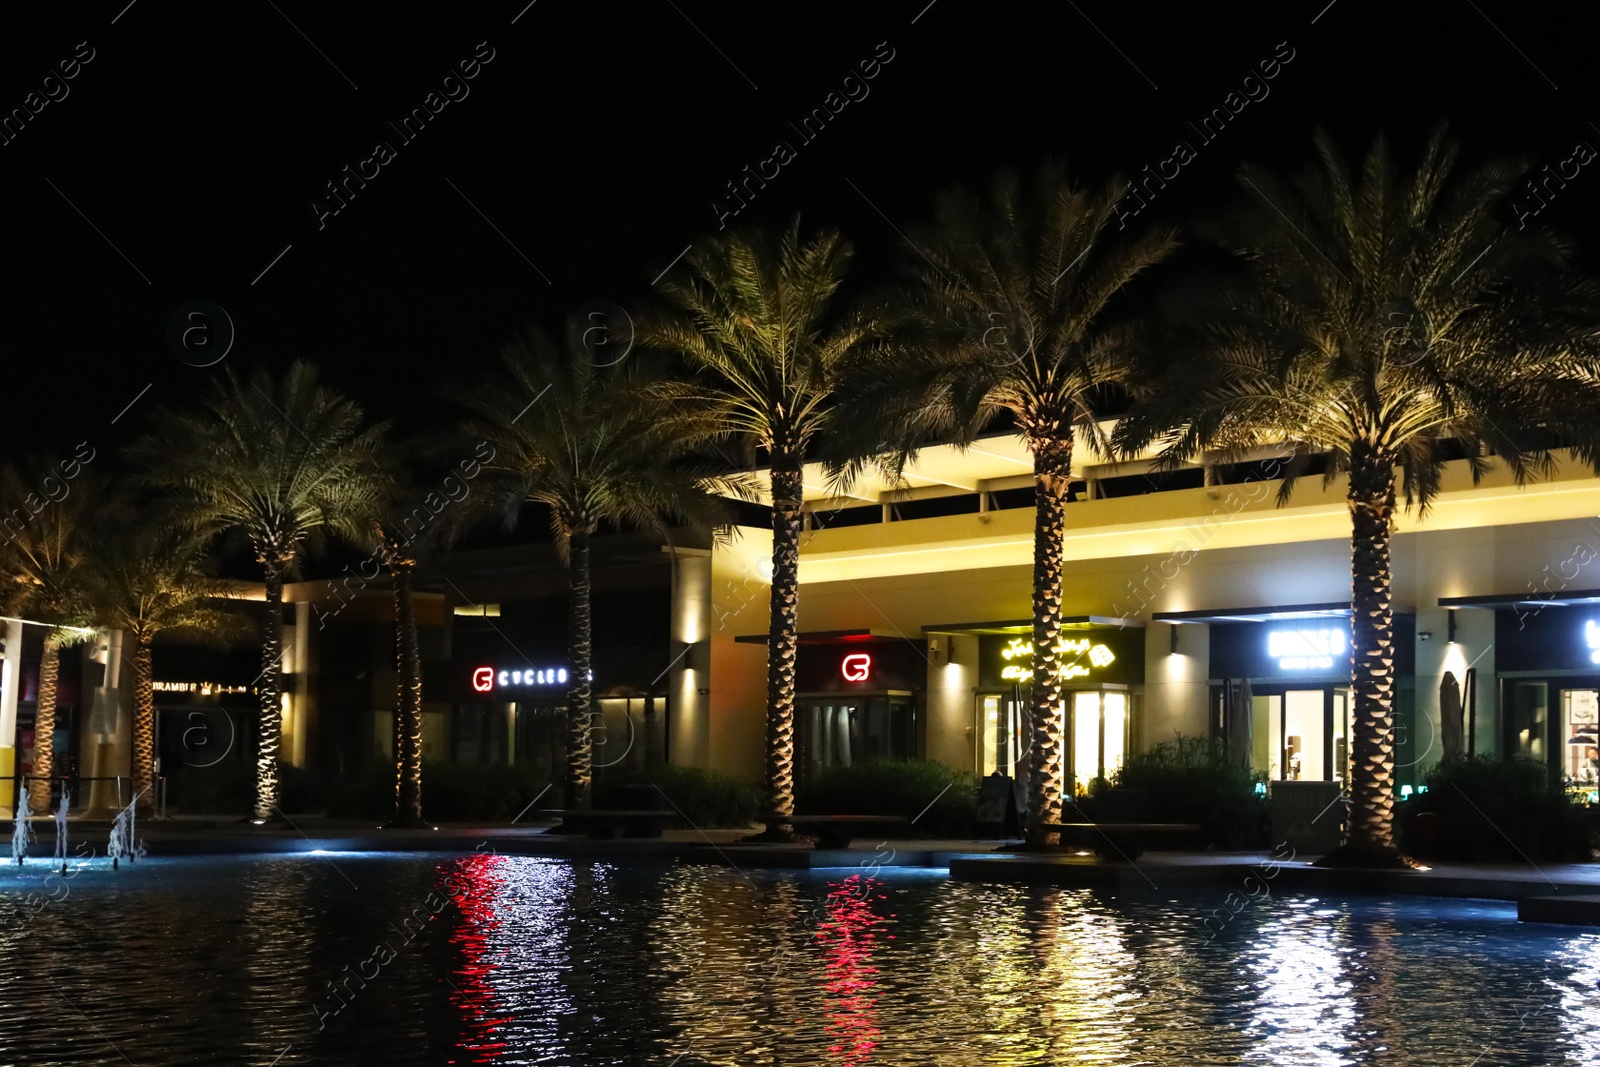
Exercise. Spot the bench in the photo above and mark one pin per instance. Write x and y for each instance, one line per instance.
(1117, 842)
(833, 831)
(610, 823)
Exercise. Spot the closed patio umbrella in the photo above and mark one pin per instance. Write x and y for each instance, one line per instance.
(1450, 725)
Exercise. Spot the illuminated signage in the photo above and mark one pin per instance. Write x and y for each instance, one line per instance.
(1304, 650)
(856, 667)
(487, 679)
(1076, 649)
(1591, 637)
(205, 689)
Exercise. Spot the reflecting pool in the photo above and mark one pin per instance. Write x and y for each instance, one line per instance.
(353, 958)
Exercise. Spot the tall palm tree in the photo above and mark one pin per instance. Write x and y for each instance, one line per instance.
(1011, 295)
(285, 463)
(400, 557)
(47, 548)
(1384, 318)
(145, 583)
(594, 445)
(756, 323)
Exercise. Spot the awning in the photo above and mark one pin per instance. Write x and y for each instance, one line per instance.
(830, 637)
(1569, 598)
(1025, 626)
(1336, 609)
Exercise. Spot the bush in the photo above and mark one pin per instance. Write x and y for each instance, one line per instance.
(1192, 780)
(1490, 810)
(706, 799)
(229, 788)
(898, 787)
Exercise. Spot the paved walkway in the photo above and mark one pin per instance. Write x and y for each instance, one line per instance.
(968, 860)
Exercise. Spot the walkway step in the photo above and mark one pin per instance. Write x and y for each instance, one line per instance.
(1576, 910)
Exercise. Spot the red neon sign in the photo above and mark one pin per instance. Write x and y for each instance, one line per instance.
(856, 667)
(483, 679)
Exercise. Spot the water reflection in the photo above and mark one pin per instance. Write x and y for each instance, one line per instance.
(1303, 1012)
(848, 936)
(544, 962)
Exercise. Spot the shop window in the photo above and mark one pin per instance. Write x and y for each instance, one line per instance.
(839, 733)
(1529, 719)
(1580, 733)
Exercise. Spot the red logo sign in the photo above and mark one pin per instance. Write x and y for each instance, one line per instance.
(483, 679)
(856, 667)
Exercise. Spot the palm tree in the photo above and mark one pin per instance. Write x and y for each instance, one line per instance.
(47, 548)
(593, 445)
(756, 325)
(400, 557)
(145, 583)
(1011, 297)
(285, 463)
(1384, 319)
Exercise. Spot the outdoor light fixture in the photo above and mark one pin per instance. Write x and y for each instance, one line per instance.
(1450, 623)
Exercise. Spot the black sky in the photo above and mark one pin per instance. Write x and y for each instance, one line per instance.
(592, 145)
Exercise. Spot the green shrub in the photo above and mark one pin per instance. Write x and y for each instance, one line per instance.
(707, 800)
(1192, 780)
(1491, 810)
(898, 787)
(229, 788)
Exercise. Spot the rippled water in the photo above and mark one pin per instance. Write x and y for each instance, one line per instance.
(530, 961)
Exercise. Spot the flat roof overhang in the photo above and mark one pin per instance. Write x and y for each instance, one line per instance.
(830, 637)
(1333, 610)
(1565, 599)
(1022, 626)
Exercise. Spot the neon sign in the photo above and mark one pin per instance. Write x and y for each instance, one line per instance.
(1303, 650)
(1591, 637)
(203, 688)
(487, 679)
(1020, 648)
(856, 667)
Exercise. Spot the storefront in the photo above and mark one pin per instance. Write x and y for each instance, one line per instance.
(1281, 697)
(1101, 666)
(859, 697)
(1548, 666)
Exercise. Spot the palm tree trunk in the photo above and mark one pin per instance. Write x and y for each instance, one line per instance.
(44, 725)
(1371, 500)
(783, 638)
(271, 732)
(144, 727)
(408, 706)
(580, 647)
(1052, 468)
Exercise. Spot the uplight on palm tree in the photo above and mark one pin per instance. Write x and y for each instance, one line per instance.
(1012, 294)
(757, 326)
(147, 582)
(593, 445)
(1385, 319)
(285, 463)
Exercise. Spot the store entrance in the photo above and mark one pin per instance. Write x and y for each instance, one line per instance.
(843, 729)
(1556, 725)
(1302, 734)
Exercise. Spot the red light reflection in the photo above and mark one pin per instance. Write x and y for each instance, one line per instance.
(471, 991)
(849, 937)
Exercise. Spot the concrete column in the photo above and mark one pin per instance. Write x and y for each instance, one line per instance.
(10, 687)
(689, 677)
(107, 734)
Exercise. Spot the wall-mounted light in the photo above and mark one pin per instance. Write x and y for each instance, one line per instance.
(1450, 622)
(1173, 629)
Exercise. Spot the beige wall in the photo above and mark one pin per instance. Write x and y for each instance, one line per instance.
(741, 573)
(1480, 560)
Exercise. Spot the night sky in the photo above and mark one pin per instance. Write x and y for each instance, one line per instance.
(593, 141)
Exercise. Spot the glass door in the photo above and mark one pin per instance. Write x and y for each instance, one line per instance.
(1099, 733)
(999, 733)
